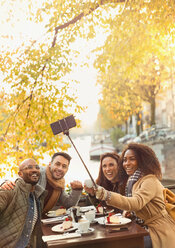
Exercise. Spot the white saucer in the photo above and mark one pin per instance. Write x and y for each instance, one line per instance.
(90, 230)
(93, 221)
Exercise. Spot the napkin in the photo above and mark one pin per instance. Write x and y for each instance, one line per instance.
(60, 236)
(53, 220)
(87, 208)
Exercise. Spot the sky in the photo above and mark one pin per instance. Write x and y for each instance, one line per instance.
(88, 94)
(87, 90)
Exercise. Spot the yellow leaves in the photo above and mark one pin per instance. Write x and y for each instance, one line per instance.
(36, 97)
(14, 170)
(137, 38)
(138, 123)
(86, 11)
(26, 134)
(84, 193)
(35, 70)
(8, 169)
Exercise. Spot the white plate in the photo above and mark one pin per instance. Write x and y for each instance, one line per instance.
(93, 221)
(107, 212)
(59, 228)
(87, 208)
(123, 221)
(100, 214)
(53, 220)
(90, 230)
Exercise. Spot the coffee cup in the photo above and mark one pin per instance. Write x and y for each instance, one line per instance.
(88, 183)
(83, 225)
(90, 215)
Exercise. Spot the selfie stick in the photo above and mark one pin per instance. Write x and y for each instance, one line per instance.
(95, 185)
(67, 133)
(62, 126)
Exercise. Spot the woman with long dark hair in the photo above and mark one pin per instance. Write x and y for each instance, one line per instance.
(146, 194)
(111, 176)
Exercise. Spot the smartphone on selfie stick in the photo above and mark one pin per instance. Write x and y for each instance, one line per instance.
(63, 126)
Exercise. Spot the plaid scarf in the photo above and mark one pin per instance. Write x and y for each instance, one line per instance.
(128, 190)
(131, 181)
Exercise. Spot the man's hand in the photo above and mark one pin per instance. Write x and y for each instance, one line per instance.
(8, 185)
(76, 185)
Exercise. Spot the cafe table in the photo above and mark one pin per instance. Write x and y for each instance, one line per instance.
(101, 237)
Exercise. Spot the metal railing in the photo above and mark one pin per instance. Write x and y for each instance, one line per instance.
(170, 186)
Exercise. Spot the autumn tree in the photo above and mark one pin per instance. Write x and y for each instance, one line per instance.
(133, 61)
(34, 70)
(36, 92)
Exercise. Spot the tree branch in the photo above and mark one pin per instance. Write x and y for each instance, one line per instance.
(65, 25)
(80, 16)
(15, 114)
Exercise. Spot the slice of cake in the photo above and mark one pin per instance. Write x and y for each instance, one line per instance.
(60, 211)
(99, 209)
(67, 224)
(113, 219)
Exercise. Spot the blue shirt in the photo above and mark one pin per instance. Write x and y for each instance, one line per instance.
(27, 230)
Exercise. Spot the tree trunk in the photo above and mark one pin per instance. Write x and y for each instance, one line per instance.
(126, 127)
(139, 123)
(153, 111)
(141, 126)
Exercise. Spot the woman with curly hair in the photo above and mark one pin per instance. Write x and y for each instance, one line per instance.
(144, 194)
(111, 176)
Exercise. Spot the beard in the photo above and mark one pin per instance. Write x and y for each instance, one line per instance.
(28, 179)
(33, 183)
(56, 175)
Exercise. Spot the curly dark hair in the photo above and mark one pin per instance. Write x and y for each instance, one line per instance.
(147, 160)
(122, 176)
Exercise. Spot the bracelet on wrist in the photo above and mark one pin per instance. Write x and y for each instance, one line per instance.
(102, 194)
(108, 196)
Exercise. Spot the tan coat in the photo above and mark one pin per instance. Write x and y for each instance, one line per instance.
(148, 203)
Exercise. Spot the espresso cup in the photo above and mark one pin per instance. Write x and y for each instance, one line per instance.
(83, 225)
(88, 183)
(90, 215)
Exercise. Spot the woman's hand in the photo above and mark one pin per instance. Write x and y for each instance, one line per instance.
(127, 214)
(90, 191)
(101, 193)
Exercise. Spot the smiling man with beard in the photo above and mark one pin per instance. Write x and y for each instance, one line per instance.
(52, 179)
(20, 208)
